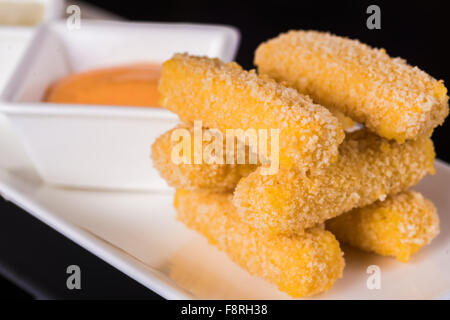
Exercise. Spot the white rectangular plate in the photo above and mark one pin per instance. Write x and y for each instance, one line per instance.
(137, 233)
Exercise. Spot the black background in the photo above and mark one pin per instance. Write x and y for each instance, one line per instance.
(34, 257)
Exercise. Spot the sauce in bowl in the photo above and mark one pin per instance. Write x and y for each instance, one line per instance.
(132, 85)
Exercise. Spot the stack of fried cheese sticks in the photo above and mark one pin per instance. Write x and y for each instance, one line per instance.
(330, 186)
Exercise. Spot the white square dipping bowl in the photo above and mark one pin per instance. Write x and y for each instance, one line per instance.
(93, 146)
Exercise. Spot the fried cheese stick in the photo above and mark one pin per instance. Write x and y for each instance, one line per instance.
(398, 226)
(300, 265)
(224, 96)
(392, 98)
(216, 176)
(368, 168)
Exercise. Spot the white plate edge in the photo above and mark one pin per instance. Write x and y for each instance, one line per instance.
(105, 251)
(95, 245)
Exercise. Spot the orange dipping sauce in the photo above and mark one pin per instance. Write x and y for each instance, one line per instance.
(133, 85)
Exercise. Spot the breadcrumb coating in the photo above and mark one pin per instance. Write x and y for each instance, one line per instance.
(300, 265)
(368, 168)
(224, 96)
(398, 226)
(347, 123)
(392, 98)
(215, 177)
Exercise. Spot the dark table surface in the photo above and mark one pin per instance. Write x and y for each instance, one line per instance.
(34, 258)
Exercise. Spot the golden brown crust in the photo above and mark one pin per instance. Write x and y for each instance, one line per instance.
(398, 226)
(300, 265)
(224, 96)
(215, 177)
(368, 168)
(392, 98)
